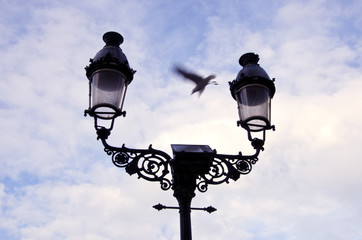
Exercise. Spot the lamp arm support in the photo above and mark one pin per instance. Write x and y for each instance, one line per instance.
(150, 164)
(154, 165)
(225, 167)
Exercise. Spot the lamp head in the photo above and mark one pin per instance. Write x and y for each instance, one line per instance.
(253, 90)
(109, 75)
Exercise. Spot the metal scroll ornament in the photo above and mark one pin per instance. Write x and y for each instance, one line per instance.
(224, 168)
(153, 165)
(149, 164)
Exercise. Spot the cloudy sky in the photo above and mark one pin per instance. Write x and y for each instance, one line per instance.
(56, 182)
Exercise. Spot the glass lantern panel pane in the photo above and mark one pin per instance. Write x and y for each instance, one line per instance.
(107, 88)
(254, 106)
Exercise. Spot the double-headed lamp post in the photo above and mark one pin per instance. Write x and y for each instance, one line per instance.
(192, 166)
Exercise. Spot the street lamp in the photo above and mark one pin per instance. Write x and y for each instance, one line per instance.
(253, 90)
(192, 166)
(109, 75)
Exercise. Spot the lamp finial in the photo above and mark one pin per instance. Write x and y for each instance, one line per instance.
(247, 58)
(113, 39)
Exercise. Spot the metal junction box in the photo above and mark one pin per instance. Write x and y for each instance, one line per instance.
(192, 159)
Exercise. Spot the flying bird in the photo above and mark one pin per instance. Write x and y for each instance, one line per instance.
(200, 81)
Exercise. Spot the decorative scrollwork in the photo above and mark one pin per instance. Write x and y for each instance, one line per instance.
(226, 167)
(202, 185)
(149, 164)
(153, 165)
(243, 166)
(120, 159)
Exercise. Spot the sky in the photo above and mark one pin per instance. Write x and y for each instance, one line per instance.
(56, 181)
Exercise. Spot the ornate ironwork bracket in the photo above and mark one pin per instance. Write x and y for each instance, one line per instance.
(149, 164)
(154, 165)
(225, 167)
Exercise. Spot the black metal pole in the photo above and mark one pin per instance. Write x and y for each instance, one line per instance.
(184, 197)
(184, 191)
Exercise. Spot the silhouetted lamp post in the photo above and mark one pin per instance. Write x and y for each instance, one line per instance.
(191, 166)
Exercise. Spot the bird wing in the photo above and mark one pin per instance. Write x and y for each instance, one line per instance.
(189, 75)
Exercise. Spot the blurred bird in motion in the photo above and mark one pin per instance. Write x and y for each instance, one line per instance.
(200, 81)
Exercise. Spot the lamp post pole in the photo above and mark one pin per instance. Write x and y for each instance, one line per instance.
(192, 166)
(184, 197)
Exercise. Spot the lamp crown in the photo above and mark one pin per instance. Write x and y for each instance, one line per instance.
(113, 39)
(248, 58)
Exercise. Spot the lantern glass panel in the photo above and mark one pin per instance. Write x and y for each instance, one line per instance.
(254, 107)
(108, 88)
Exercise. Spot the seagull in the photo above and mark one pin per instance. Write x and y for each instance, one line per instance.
(200, 82)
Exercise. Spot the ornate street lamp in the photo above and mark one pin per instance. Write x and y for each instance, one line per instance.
(109, 75)
(192, 166)
(253, 90)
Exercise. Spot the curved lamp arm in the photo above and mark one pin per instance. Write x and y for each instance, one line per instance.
(225, 167)
(149, 164)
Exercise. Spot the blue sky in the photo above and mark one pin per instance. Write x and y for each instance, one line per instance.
(56, 182)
